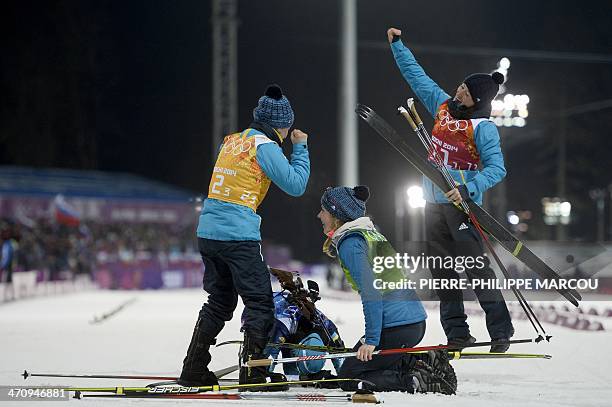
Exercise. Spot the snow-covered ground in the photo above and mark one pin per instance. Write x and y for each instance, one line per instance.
(150, 336)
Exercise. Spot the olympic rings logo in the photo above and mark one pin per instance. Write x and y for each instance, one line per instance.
(446, 120)
(237, 145)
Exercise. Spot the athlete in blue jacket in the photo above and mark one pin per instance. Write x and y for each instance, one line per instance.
(394, 318)
(469, 144)
(293, 326)
(229, 238)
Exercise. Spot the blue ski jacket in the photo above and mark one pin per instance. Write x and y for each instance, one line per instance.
(486, 136)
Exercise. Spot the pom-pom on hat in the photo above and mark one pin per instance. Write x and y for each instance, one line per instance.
(483, 87)
(274, 109)
(344, 203)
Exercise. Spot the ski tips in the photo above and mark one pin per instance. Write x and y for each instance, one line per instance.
(233, 342)
(362, 107)
(572, 296)
(577, 297)
(363, 111)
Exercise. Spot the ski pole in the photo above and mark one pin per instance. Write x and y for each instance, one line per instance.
(27, 374)
(218, 373)
(488, 355)
(289, 345)
(355, 398)
(381, 352)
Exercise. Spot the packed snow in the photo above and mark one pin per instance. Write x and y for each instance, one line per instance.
(151, 333)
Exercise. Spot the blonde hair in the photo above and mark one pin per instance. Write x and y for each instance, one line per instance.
(328, 247)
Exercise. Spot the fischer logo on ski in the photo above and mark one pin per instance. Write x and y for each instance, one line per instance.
(173, 390)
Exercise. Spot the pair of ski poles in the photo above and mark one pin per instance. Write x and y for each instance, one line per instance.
(416, 123)
(413, 350)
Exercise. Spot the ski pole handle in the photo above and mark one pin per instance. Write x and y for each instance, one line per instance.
(406, 115)
(413, 112)
(365, 398)
(259, 362)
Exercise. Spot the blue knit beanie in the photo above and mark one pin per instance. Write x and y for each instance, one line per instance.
(274, 109)
(344, 203)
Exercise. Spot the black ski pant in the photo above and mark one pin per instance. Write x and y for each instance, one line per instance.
(235, 268)
(450, 233)
(388, 373)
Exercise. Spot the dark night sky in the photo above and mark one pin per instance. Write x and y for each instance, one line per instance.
(126, 86)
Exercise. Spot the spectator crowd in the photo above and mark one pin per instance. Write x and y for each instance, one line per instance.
(65, 251)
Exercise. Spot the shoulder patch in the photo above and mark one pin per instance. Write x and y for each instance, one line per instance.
(476, 122)
(261, 139)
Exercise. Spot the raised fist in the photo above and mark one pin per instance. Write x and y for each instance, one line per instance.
(298, 136)
(391, 32)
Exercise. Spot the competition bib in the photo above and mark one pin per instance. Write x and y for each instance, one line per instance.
(237, 177)
(454, 140)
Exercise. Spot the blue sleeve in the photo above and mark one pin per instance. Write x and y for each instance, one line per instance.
(491, 158)
(430, 94)
(291, 177)
(353, 253)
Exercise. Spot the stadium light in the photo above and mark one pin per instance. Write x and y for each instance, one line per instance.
(556, 211)
(508, 110)
(513, 218)
(415, 197)
(504, 63)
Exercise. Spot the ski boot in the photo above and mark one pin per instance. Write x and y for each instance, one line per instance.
(432, 373)
(195, 371)
(459, 343)
(501, 347)
(252, 348)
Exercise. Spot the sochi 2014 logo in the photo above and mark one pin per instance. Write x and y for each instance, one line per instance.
(446, 120)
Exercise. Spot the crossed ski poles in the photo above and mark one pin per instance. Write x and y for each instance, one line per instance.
(416, 123)
(381, 352)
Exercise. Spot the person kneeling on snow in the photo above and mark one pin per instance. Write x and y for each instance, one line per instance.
(393, 318)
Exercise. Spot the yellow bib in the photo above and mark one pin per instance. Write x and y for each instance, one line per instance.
(237, 177)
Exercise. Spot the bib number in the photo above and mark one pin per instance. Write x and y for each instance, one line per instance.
(218, 184)
(247, 197)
